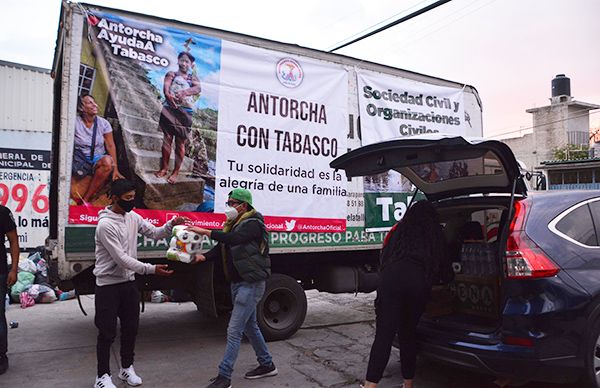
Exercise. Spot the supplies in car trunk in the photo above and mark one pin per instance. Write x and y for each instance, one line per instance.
(476, 295)
(476, 285)
(478, 259)
(475, 288)
(440, 301)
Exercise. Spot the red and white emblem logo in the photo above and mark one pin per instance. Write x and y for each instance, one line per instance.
(289, 72)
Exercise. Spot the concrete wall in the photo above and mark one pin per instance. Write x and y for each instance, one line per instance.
(25, 98)
(548, 133)
(549, 130)
(524, 149)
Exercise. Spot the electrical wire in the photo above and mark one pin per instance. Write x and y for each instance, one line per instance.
(394, 23)
(418, 36)
(375, 25)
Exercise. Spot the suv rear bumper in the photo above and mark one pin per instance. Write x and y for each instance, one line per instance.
(518, 365)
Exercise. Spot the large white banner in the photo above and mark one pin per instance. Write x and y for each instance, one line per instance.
(393, 107)
(282, 119)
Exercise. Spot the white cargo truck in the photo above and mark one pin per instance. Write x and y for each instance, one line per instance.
(258, 114)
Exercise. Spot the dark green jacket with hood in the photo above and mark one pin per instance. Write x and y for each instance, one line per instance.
(243, 247)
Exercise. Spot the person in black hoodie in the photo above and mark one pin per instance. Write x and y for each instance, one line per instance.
(412, 260)
(243, 248)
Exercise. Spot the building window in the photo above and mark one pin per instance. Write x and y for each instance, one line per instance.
(555, 177)
(570, 177)
(86, 79)
(585, 176)
(597, 175)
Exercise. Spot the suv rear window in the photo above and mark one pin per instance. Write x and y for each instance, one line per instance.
(443, 171)
(579, 226)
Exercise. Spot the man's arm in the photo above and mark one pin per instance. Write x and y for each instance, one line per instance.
(13, 239)
(212, 255)
(154, 232)
(110, 241)
(250, 231)
(167, 89)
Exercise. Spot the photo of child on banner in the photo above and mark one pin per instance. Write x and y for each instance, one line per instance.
(156, 88)
(181, 90)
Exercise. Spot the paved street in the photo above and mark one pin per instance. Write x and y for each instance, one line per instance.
(54, 346)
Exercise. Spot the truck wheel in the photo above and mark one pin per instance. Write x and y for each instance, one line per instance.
(591, 375)
(282, 309)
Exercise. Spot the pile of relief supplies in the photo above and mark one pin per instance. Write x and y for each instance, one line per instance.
(32, 284)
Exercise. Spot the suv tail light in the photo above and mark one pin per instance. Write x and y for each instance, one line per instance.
(524, 258)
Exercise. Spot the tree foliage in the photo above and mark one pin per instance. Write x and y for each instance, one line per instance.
(571, 152)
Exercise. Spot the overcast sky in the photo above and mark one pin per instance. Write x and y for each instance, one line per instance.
(509, 50)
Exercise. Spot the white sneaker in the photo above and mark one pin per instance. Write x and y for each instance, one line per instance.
(104, 382)
(130, 377)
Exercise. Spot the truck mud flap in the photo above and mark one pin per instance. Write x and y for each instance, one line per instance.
(204, 291)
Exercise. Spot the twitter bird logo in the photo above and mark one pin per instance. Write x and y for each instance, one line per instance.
(289, 225)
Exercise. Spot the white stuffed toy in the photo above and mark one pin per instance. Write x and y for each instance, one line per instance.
(184, 244)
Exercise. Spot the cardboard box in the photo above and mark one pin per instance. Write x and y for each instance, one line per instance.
(476, 295)
(440, 302)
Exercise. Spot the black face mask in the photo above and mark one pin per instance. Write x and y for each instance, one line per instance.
(126, 205)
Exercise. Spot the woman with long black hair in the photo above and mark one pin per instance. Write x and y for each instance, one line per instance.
(412, 259)
(94, 152)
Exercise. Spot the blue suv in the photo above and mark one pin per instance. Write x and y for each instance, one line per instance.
(525, 299)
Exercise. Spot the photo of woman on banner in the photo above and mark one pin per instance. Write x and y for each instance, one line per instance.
(94, 152)
(181, 89)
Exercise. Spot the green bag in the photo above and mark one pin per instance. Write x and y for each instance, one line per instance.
(24, 281)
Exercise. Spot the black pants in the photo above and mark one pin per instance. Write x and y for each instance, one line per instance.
(122, 301)
(401, 298)
(3, 326)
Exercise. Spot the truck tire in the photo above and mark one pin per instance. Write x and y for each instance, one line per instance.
(282, 308)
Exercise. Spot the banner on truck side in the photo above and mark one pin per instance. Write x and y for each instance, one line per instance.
(387, 196)
(192, 117)
(392, 107)
(24, 177)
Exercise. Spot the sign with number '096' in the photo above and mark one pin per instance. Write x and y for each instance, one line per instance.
(21, 195)
(26, 195)
(24, 191)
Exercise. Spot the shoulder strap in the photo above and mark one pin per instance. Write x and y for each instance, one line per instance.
(94, 133)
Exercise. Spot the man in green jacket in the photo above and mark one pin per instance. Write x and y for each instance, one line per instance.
(243, 247)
